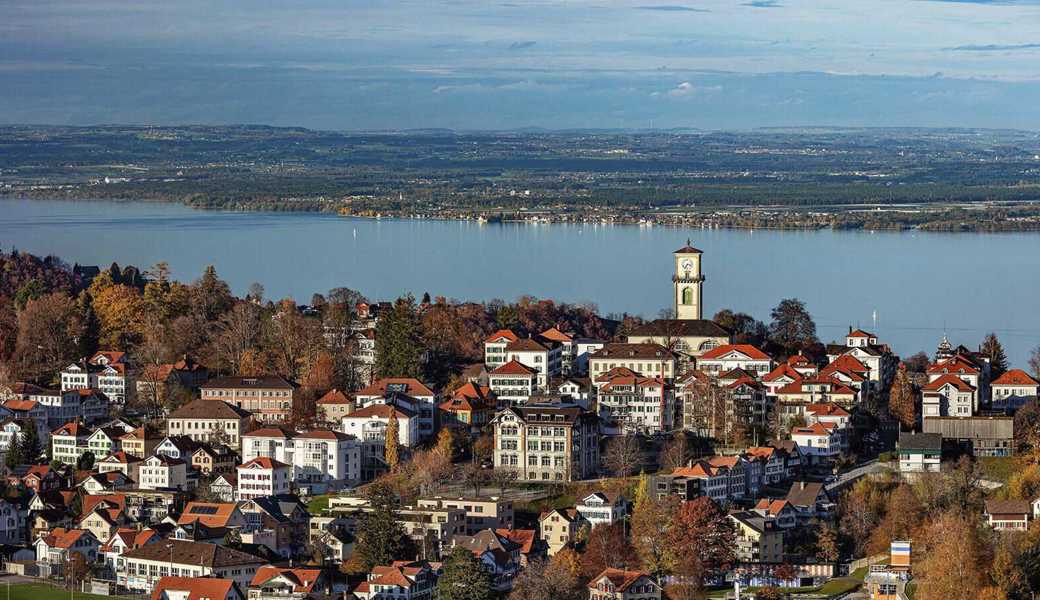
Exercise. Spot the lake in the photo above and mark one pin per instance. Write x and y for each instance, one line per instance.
(916, 285)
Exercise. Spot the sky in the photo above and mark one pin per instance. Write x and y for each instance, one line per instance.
(487, 64)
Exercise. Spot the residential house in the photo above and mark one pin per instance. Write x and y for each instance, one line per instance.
(637, 404)
(727, 357)
(399, 581)
(55, 549)
(14, 523)
(602, 508)
(1008, 515)
(495, 348)
(810, 499)
(543, 356)
(470, 408)
(818, 442)
(948, 396)
(567, 343)
(279, 583)
(648, 360)
(781, 512)
(919, 453)
(223, 486)
(263, 477)
(758, 539)
(125, 538)
(213, 514)
(559, 527)
(1014, 389)
(159, 382)
(421, 399)
(773, 463)
(498, 554)
(196, 588)
(619, 584)
(320, 459)
(160, 472)
(334, 405)
(283, 516)
(210, 460)
(69, 442)
(120, 462)
(513, 383)
(105, 372)
(547, 442)
(140, 442)
(269, 398)
(211, 421)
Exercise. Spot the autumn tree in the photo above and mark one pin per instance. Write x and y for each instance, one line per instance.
(548, 580)
(651, 523)
(292, 340)
(210, 296)
(121, 312)
(391, 441)
(237, 333)
(623, 455)
(47, 328)
(706, 534)
(792, 328)
(828, 545)
(607, 546)
(676, 453)
(902, 402)
(993, 350)
(464, 578)
(399, 344)
(949, 568)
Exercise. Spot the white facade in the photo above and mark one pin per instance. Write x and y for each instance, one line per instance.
(328, 457)
(369, 425)
(163, 473)
(262, 477)
(601, 509)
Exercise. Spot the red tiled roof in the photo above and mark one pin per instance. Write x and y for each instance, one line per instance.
(1015, 377)
(948, 379)
(20, 405)
(210, 514)
(746, 349)
(502, 334)
(60, 537)
(859, 333)
(198, 588)
(827, 410)
(525, 537)
(263, 462)
(781, 371)
(620, 579)
(335, 396)
(513, 368)
(814, 429)
(957, 364)
(413, 387)
(303, 579)
(555, 335)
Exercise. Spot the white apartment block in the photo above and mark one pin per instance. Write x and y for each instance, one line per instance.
(263, 477)
(319, 458)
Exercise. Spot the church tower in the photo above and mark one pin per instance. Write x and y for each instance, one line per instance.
(687, 282)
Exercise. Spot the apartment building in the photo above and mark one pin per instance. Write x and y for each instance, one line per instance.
(547, 442)
(213, 421)
(647, 360)
(263, 477)
(320, 459)
(140, 569)
(481, 513)
(268, 397)
(408, 391)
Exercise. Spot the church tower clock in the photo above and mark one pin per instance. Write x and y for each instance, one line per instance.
(687, 282)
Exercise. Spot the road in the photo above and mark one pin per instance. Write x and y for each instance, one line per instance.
(848, 477)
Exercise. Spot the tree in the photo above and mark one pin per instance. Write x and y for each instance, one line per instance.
(1034, 361)
(549, 579)
(792, 327)
(607, 547)
(380, 536)
(950, 566)
(255, 293)
(464, 578)
(30, 444)
(399, 344)
(651, 522)
(291, 339)
(210, 296)
(47, 328)
(237, 333)
(1011, 569)
(642, 492)
(446, 443)
(391, 441)
(85, 462)
(676, 453)
(474, 475)
(828, 547)
(707, 538)
(623, 455)
(902, 401)
(993, 350)
(121, 311)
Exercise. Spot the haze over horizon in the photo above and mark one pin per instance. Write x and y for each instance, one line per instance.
(468, 65)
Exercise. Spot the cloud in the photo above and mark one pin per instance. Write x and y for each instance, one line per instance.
(764, 4)
(672, 8)
(521, 45)
(993, 47)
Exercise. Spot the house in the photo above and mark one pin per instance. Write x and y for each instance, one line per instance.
(369, 424)
(818, 442)
(14, 522)
(42, 479)
(12, 432)
(277, 583)
(602, 508)
(481, 513)
(773, 463)
(758, 538)
(422, 400)
(158, 382)
(269, 398)
(263, 477)
(637, 404)
(781, 512)
(180, 447)
(948, 396)
(721, 482)
(810, 499)
(1008, 515)
(213, 514)
(282, 522)
(498, 554)
(124, 539)
(513, 383)
(567, 343)
(140, 442)
(104, 440)
(919, 453)
(223, 486)
(320, 458)
(562, 442)
(543, 356)
(333, 406)
(495, 348)
(160, 472)
(213, 460)
(531, 547)
(211, 421)
(470, 408)
(103, 520)
(69, 442)
(120, 462)
(648, 360)
(54, 550)
(196, 588)
(144, 567)
(727, 357)
(105, 372)
(559, 527)
(619, 584)
(1013, 389)
(400, 581)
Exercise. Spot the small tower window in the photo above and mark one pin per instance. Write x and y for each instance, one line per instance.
(687, 296)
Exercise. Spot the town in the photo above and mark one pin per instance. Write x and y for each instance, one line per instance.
(171, 439)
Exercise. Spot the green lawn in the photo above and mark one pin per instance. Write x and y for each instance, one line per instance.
(316, 505)
(841, 585)
(40, 591)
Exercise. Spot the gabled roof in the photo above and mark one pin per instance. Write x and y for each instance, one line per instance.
(335, 396)
(747, 350)
(859, 333)
(59, 537)
(827, 410)
(526, 345)
(514, 367)
(956, 364)
(381, 411)
(555, 335)
(781, 371)
(1015, 377)
(198, 588)
(209, 409)
(1008, 507)
(263, 462)
(814, 429)
(502, 334)
(197, 554)
(324, 434)
(303, 580)
(805, 493)
(525, 538)
(271, 432)
(619, 578)
(407, 385)
(772, 507)
(74, 429)
(945, 380)
(920, 441)
(211, 514)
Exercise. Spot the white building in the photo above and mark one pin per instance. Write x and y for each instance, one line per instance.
(105, 371)
(211, 421)
(369, 424)
(601, 508)
(648, 360)
(420, 398)
(948, 396)
(637, 404)
(543, 356)
(725, 358)
(818, 441)
(513, 383)
(495, 348)
(318, 458)
(1013, 389)
(263, 477)
(160, 472)
(920, 453)
(140, 569)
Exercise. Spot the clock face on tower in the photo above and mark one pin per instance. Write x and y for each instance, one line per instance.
(687, 265)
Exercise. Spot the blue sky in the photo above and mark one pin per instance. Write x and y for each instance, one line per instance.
(470, 64)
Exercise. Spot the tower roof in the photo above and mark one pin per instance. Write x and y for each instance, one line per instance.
(688, 249)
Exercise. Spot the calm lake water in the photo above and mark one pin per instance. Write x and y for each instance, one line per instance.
(919, 284)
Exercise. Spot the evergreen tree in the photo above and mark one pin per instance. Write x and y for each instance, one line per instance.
(399, 343)
(380, 537)
(89, 339)
(464, 578)
(30, 445)
(994, 351)
(390, 453)
(902, 400)
(85, 462)
(13, 458)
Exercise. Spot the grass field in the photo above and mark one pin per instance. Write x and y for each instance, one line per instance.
(998, 468)
(41, 591)
(316, 505)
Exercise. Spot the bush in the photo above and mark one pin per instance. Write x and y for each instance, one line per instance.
(887, 457)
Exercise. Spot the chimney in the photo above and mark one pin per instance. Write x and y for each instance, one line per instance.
(801, 485)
